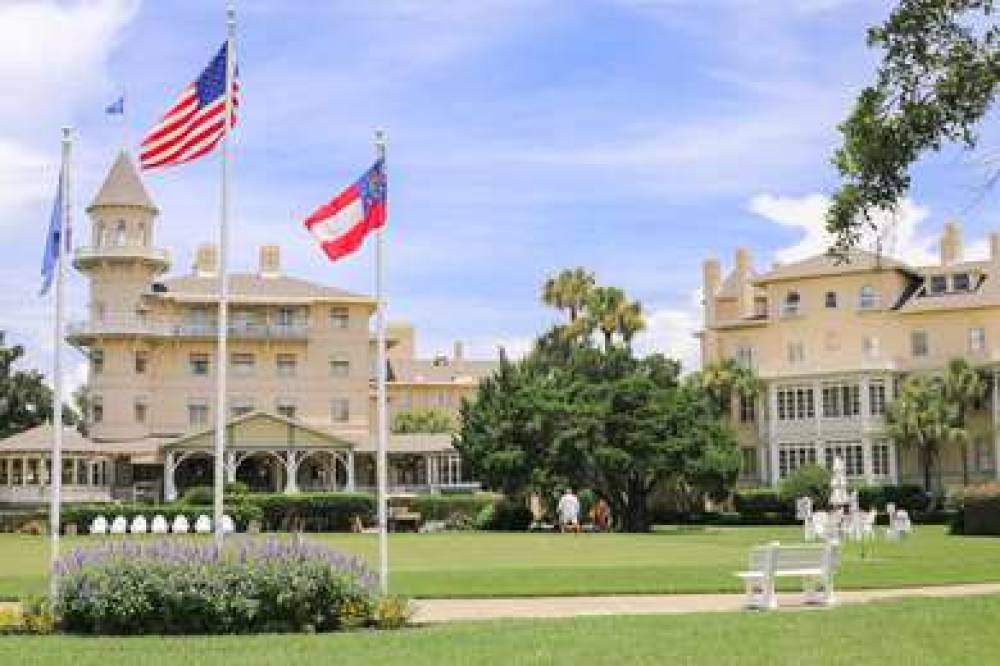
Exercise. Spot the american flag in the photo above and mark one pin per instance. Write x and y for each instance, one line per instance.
(195, 124)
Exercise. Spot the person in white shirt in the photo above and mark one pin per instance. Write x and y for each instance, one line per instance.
(569, 512)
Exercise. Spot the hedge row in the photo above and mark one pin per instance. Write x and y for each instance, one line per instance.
(452, 508)
(81, 515)
(312, 512)
(978, 511)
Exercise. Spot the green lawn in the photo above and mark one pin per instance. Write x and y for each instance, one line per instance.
(669, 560)
(944, 631)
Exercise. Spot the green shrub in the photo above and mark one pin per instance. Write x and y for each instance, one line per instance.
(978, 511)
(82, 515)
(206, 494)
(909, 497)
(807, 481)
(392, 612)
(762, 504)
(452, 507)
(505, 516)
(312, 512)
(180, 586)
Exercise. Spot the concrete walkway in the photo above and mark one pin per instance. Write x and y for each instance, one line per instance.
(457, 610)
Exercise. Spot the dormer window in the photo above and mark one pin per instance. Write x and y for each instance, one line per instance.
(792, 304)
(938, 284)
(866, 298)
(831, 299)
(961, 282)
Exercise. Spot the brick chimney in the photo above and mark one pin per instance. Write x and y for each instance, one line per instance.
(206, 261)
(711, 273)
(744, 273)
(270, 261)
(951, 244)
(995, 248)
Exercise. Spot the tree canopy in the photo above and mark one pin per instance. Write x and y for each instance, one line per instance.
(937, 80)
(426, 421)
(25, 399)
(582, 410)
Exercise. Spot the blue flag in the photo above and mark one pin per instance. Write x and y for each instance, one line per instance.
(116, 108)
(51, 257)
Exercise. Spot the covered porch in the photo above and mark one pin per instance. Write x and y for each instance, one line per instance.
(268, 452)
(417, 464)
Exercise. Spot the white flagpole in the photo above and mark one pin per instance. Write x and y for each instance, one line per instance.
(55, 462)
(383, 425)
(222, 364)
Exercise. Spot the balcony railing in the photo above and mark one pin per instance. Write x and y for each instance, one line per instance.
(91, 252)
(139, 326)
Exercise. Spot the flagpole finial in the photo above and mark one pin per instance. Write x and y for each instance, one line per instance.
(380, 141)
(231, 12)
(66, 132)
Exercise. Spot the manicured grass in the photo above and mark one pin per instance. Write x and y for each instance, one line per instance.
(940, 631)
(671, 560)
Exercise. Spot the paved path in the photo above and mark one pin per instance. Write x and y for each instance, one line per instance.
(455, 610)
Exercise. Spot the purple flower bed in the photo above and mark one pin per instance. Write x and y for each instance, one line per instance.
(190, 587)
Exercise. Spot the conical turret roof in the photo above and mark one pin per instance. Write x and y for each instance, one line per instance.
(123, 187)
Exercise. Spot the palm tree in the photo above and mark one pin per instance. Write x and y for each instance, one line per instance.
(568, 291)
(963, 386)
(727, 379)
(920, 417)
(630, 322)
(604, 308)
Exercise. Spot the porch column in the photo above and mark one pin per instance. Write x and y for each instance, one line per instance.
(291, 472)
(431, 481)
(772, 393)
(169, 486)
(350, 470)
(231, 467)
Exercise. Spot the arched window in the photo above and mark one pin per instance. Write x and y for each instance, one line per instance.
(120, 229)
(142, 234)
(793, 303)
(867, 298)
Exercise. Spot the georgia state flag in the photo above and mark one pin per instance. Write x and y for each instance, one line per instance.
(341, 224)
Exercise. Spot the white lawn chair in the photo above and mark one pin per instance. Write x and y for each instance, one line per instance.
(119, 525)
(228, 526)
(180, 525)
(159, 525)
(203, 525)
(821, 525)
(903, 524)
(99, 525)
(139, 525)
(868, 528)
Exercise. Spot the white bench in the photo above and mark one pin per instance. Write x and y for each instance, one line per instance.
(813, 564)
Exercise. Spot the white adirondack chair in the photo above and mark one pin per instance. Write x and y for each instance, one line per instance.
(228, 526)
(139, 525)
(203, 525)
(821, 525)
(119, 525)
(868, 529)
(181, 525)
(99, 525)
(159, 525)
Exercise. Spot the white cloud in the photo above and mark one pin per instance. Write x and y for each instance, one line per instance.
(904, 234)
(671, 331)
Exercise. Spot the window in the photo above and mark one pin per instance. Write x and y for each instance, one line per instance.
(286, 408)
(744, 356)
(339, 317)
(139, 410)
(984, 455)
(97, 409)
(199, 363)
(97, 361)
(340, 410)
(286, 317)
(841, 400)
(120, 229)
(938, 284)
(748, 463)
(918, 343)
(449, 470)
(870, 347)
(795, 403)
(977, 339)
(340, 366)
(880, 459)
(792, 305)
(961, 282)
(748, 409)
(198, 413)
(831, 299)
(241, 407)
(285, 365)
(242, 364)
(793, 456)
(141, 361)
(852, 453)
(796, 353)
(867, 298)
(876, 398)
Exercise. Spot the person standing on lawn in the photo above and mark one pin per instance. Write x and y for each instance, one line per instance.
(569, 512)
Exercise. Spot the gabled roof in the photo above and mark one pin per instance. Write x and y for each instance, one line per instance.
(123, 187)
(823, 265)
(196, 440)
(250, 286)
(39, 440)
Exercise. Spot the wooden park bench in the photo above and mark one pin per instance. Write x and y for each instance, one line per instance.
(814, 564)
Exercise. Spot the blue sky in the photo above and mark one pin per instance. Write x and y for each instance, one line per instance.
(634, 137)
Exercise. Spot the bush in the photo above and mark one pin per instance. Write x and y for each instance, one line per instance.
(82, 515)
(909, 497)
(206, 494)
(505, 516)
(807, 481)
(452, 508)
(182, 587)
(764, 505)
(312, 512)
(978, 511)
